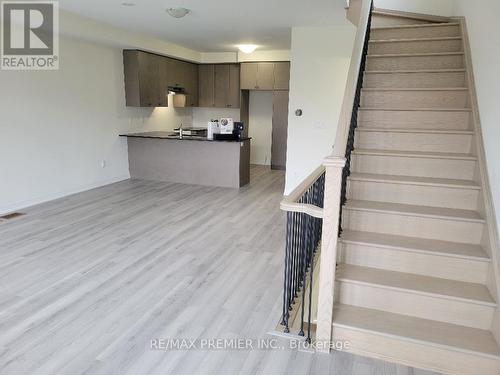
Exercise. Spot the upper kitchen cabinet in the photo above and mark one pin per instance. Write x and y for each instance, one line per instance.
(185, 75)
(145, 84)
(219, 85)
(148, 76)
(206, 94)
(282, 75)
(265, 76)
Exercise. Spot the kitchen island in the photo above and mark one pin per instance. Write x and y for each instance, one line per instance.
(162, 156)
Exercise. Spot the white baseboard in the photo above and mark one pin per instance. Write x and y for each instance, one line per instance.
(20, 205)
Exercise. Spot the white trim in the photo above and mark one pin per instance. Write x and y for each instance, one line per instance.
(20, 205)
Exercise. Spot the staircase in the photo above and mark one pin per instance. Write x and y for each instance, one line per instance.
(412, 279)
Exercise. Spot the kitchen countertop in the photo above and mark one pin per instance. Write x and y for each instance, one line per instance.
(172, 136)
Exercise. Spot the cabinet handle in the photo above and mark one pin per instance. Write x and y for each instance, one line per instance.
(228, 105)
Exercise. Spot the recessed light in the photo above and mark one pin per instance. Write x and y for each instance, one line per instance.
(247, 48)
(128, 4)
(178, 12)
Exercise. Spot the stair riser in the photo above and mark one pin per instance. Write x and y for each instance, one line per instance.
(415, 354)
(412, 226)
(454, 143)
(425, 264)
(420, 167)
(414, 119)
(414, 99)
(415, 62)
(415, 32)
(424, 195)
(414, 80)
(418, 305)
(434, 46)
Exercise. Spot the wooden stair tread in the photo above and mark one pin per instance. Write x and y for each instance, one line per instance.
(415, 109)
(410, 15)
(417, 26)
(415, 154)
(430, 54)
(415, 89)
(415, 244)
(414, 210)
(428, 332)
(415, 39)
(415, 71)
(413, 180)
(413, 283)
(410, 130)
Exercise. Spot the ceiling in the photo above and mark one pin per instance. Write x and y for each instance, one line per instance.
(214, 25)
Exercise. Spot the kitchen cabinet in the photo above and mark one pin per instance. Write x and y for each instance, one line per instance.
(191, 83)
(282, 76)
(147, 77)
(206, 95)
(234, 91)
(248, 76)
(184, 74)
(265, 76)
(221, 82)
(142, 84)
(219, 85)
(279, 129)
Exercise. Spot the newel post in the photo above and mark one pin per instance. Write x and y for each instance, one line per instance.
(329, 239)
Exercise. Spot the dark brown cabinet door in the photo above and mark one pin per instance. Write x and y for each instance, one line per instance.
(206, 85)
(142, 86)
(282, 76)
(265, 76)
(175, 73)
(221, 85)
(163, 81)
(248, 76)
(234, 92)
(280, 129)
(191, 84)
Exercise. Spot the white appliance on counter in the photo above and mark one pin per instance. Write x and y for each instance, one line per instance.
(226, 125)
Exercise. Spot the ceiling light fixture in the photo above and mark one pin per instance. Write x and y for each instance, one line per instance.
(178, 12)
(247, 48)
(128, 4)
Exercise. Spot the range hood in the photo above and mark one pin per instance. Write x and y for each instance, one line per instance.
(179, 96)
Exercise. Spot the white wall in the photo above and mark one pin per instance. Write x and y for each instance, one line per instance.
(484, 35)
(434, 7)
(260, 126)
(58, 126)
(202, 115)
(320, 59)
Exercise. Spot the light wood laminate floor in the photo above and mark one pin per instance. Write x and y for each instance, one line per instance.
(87, 281)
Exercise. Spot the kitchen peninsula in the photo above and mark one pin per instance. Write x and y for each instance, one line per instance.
(162, 156)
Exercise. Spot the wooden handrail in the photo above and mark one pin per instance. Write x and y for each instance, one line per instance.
(340, 145)
(290, 202)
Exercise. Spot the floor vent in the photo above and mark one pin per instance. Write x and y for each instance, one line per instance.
(10, 216)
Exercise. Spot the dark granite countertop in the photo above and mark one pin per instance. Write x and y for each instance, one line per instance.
(175, 137)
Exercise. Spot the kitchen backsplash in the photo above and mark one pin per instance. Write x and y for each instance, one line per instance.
(202, 115)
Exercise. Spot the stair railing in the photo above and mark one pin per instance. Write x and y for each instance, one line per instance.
(337, 170)
(304, 219)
